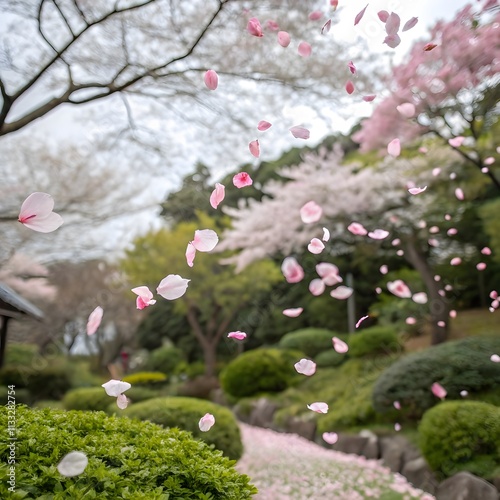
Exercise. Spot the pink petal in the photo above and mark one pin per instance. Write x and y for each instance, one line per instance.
(392, 41)
(190, 254)
(399, 288)
(384, 269)
(94, 320)
(424, 150)
(339, 345)
(464, 394)
(292, 270)
(334, 4)
(310, 212)
(305, 367)
(330, 437)
(237, 335)
(397, 405)
(254, 148)
(273, 25)
(369, 98)
(360, 320)
(283, 38)
(318, 407)
(394, 148)
(205, 240)
(495, 358)
(489, 161)
(383, 15)
(486, 251)
(326, 27)
(304, 49)
(351, 67)
(329, 273)
(360, 15)
(378, 234)
(438, 390)
(316, 287)
(300, 132)
(263, 125)
(410, 24)
(114, 388)
(397, 427)
(242, 179)
(145, 297)
(410, 321)
(72, 464)
(316, 246)
(254, 27)
(122, 401)
(217, 195)
(456, 142)
(342, 292)
(420, 298)
(429, 46)
(493, 294)
(407, 109)
(452, 231)
(315, 16)
(392, 24)
(417, 190)
(453, 313)
(36, 213)
(211, 79)
(349, 87)
(456, 261)
(172, 287)
(357, 229)
(206, 422)
(459, 194)
(326, 235)
(293, 312)
(481, 266)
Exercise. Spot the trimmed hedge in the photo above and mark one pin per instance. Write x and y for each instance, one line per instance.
(310, 341)
(329, 359)
(374, 341)
(185, 413)
(164, 359)
(458, 365)
(461, 436)
(128, 459)
(146, 378)
(260, 370)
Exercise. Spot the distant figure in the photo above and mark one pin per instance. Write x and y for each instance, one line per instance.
(124, 356)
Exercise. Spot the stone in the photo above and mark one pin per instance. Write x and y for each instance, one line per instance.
(418, 473)
(350, 443)
(262, 413)
(304, 428)
(392, 451)
(466, 486)
(371, 449)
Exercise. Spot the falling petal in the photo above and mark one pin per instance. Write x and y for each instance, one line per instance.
(305, 367)
(441, 324)
(205, 240)
(438, 390)
(378, 234)
(456, 261)
(254, 148)
(292, 270)
(36, 213)
(397, 405)
(329, 273)
(410, 321)
(217, 195)
(318, 407)
(310, 212)
(315, 16)
(407, 109)
(394, 148)
(145, 297)
(357, 229)
(392, 24)
(352, 68)
(211, 79)
(300, 132)
(316, 246)
(383, 15)
(453, 313)
(304, 49)
(316, 287)
(293, 312)
(263, 125)
(495, 358)
(399, 288)
(172, 287)
(334, 4)
(423, 150)
(392, 41)
(369, 98)
(360, 15)
(190, 254)
(452, 231)
(489, 161)
(481, 266)
(283, 38)
(429, 46)
(436, 171)
(122, 401)
(456, 142)
(341, 292)
(114, 388)
(459, 194)
(339, 345)
(273, 25)
(326, 27)
(206, 422)
(397, 427)
(237, 335)
(242, 179)
(254, 27)
(360, 320)
(420, 298)
(330, 437)
(73, 464)
(486, 251)
(417, 190)
(384, 269)
(464, 393)
(349, 87)
(94, 320)
(410, 24)
(326, 235)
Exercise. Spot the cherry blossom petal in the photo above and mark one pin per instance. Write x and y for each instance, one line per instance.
(397, 427)
(284, 38)
(493, 294)
(438, 390)
(399, 288)
(459, 194)
(384, 269)
(300, 132)
(211, 79)
(456, 261)
(206, 422)
(417, 190)
(330, 437)
(73, 464)
(360, 320)
(237, 335)
(145, 297)
(254, 148)
(329, 273)
(36, 213)
(481, 266)
(342, 292)
(172, 287)
(495, 358)
(242, 180)
(326, 27)
(464, 393)
(272, 25)
(326, 235)
(349, 87)
(217, 195)
(316, 287)
(305, 367)
(190, 254)
(429, 46)
(360, 15)
(293, 312)
(383, 15)
(122, 401)
(351, 67)
(392, 41)
(292, 270)
(318, 407)
(410, 320)
(489, 161)
(369, 98)
(456, 142)
(304, 49)
(486, 251)
(316, 246)
(94, 320)
(339, 345)
(205, 240)
(397, 405)
(407, 109)
(424, 150)
(436, 171)
(357, 229)
(334, 4)
(254, 27)
(394, 148)
(420, 298)
(392, 24)
(452, 231)
(378, 234)
(453, 313)
(315, 15)
(410, 24)
(311, 212)
(114, 387)
(263, 125)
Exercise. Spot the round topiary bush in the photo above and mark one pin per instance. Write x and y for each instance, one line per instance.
(87, 398)
(458, 365)
(329, 359)
(146, 378)
(185, 413)
(374, 341)
(127, 459)
(461, 436)
(260, 370)
(310, 341)
(164, 359)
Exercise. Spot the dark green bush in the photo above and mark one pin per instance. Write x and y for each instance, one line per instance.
(146, 378)
(461, 436)
(310, 341)
(185, 413)
(128, 459)
(260, 370)
(20, 354)
(374, 341)
(22, 396)
(329, 359)
(87, 398)
(164, 359)
(458, 365)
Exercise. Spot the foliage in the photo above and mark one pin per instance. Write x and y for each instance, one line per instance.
(461, 435)
(260, 370)
(165, 359)
(329, 359)
(374, 341)
(310, 341)
(146, 378)
(185, 413)
(457, 366)
(22, 396)
(20, 354)
(87, 398)
(127, 459)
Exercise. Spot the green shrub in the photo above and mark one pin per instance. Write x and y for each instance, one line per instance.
(164, 359)
(260, 370)
(374, 341)
(22, 396)
(20, 354)
(461, 435)
(310, 341)
(49, 403)
(128, 459)
(87, 398)
(459, 365)
(185, 413)
(146, 378)
(329, 359)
